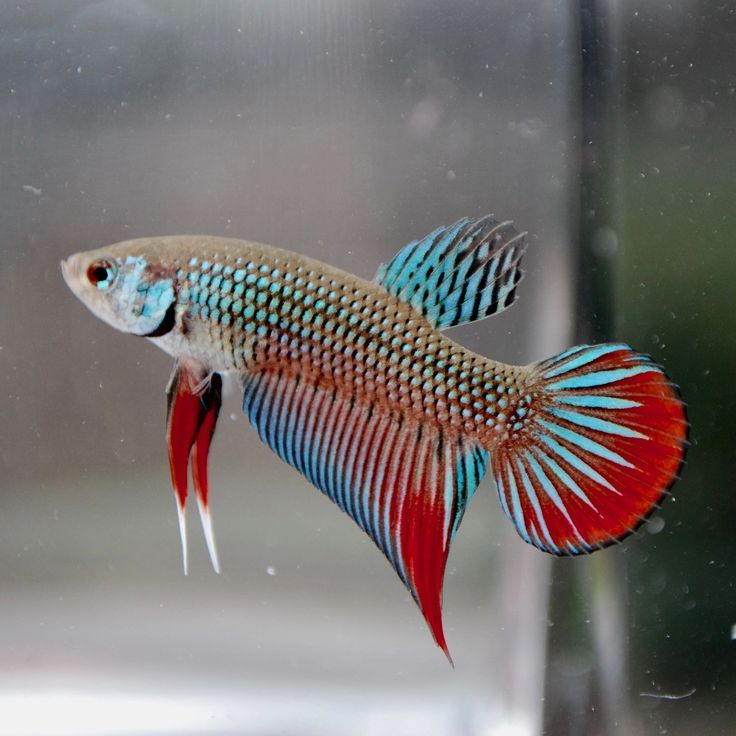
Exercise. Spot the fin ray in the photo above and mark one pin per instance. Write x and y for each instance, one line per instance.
(602, 441)
(405, 483)
(460, 273)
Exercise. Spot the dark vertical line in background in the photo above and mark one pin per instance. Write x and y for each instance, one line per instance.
(585, 689)
(598, 112)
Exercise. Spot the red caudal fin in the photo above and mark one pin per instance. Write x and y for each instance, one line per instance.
(405, 483)
(193, 402)
(600, 438)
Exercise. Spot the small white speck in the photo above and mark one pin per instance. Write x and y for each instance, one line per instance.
(451, 175)
(33, 190)
(270, 570)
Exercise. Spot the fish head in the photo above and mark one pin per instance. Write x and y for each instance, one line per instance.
(127, 285)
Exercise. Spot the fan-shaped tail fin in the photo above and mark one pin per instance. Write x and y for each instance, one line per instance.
(602, 439)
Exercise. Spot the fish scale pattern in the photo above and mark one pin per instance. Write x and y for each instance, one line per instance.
(266, 310)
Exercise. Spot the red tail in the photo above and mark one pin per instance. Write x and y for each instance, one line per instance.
(601, 437)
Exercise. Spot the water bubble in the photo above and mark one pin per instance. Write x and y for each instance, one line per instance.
(605, 242)
(656, 525)
(665, 107)
(425, 117)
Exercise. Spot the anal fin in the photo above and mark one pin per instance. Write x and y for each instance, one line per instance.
(404, 482)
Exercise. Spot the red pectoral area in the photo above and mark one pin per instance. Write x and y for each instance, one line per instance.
(193, 400)
(603, 439)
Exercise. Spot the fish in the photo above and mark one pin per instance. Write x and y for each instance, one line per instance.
(355, 384)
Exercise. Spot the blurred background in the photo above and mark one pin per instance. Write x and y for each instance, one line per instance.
(343, 129)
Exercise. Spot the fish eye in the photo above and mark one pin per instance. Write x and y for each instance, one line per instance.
(99, 272)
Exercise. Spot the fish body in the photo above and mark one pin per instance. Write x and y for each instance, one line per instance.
(353, 383)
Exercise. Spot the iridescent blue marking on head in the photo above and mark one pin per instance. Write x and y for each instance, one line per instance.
(126, 291)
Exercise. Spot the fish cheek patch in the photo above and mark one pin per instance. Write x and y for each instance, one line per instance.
(167, 323)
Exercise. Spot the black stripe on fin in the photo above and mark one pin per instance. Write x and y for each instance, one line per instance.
(458, 274)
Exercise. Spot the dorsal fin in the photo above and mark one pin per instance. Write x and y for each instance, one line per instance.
(460, 273)
(405, 483)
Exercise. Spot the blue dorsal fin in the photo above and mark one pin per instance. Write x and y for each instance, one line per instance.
(460, 273)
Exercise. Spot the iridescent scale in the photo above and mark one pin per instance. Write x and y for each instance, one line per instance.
(272, 308)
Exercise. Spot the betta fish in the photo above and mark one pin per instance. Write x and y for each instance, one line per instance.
(355, 385)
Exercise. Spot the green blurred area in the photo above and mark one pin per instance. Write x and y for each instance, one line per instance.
(651, 626)
(676, 299)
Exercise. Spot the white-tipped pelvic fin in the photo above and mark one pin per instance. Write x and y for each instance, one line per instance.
(183, 535)
(209, 535)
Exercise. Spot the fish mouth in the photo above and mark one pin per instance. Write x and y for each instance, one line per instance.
(70, 269)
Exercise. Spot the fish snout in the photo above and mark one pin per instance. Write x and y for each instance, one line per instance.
(68, 268)
(71, 269)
